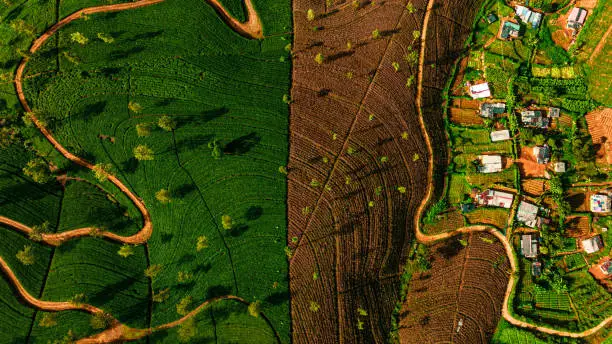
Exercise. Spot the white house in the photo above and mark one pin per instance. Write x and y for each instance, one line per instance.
(480, 91)
(500, 135)
(495, 199)
(527, 213)
(490, 163)
(592, 245)
(576, 18)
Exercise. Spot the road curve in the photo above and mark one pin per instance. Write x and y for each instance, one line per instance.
(424, 238)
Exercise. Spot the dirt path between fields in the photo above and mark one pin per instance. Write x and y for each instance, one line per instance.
(116, 331)
(425, 238)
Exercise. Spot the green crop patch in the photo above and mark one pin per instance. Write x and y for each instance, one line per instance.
(208, 107)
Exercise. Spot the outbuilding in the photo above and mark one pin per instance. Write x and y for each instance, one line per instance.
(480, 90)
(500, 135)
(576, 18)
(527, 213)
(592, 245)
(490, 163)
(600, 203)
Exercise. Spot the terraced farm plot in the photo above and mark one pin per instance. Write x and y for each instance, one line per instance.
(455, 291)
(224, 93)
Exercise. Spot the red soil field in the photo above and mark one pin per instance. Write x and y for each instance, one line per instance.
(600, 128)
(348, 154)
(534, 187)
(464, 286)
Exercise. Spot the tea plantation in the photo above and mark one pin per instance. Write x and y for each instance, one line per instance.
(102, 84)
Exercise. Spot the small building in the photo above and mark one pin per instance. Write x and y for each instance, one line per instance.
(576, 18)
(480, 91)
(529, 246)
(489, 110)
(554, 112)
(495, 198)
(528, 16)
(490, 163)
(536, 269)
(509, 29)
(491, 18)
(527, 213)
(500, 135)
(542, 154)
(606, 267)
(559, 167)
(600, 203)
(592, 245)
(533, 118)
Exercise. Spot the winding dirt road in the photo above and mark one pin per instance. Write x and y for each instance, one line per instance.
(252, 29)
(424, 238)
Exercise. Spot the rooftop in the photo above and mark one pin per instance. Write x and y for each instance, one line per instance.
(542, 154)
(500, 135)
(576, 18)
(529, 246)
(490, 163)
(600, 203)
(527, 213)
(495, 198)
(592, 245)
(480, 91)
(489, 110)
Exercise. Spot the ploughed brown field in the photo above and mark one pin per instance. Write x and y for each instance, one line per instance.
(355, 136)
(459, 299)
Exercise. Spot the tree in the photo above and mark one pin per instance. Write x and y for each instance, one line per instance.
(412, 57)
(202, 243)
(539, 139)
(255, 309)
(37, 231)
(410, 7)
(319, 58)
(282, 169)
(152, 271)
(396, 66)
(163, 196)
(48, 320)
(101, 171)
(217, 152)
(108, 39)
(183, 306)
(126, 251)
(38, 170)
(362, 312)
(20, 26)
(416, 34)
(26, 256)
(78, 299)
(100, 320)
(314, 306)
(8, 136)
(187, 330)
(167, 123)
(227, 222)
(401, 189)
(79, 38)
(161, 296)
(143, 129)
(143, 152)
(410, 81)
(349, 45)
(134, 107)
(310, 14)
(184, 277)
(376, 34)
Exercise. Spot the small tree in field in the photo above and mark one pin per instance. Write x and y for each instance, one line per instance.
(227, 222)
(126, 251)
(134, 107)
(78, 299)
(376, 34)
(202, 243)
(38, 170)
(314, 306)
(167, 123)
(163, 196)
(79, 38)
(153, 270)
(310, 14)
(161, 296)
(187, 330)
(182, 308)
(255, 309)
(410, 7)
(108, 39)
(48, 320)
(396, 66)
(37, 231)
(143, 152)
(143, 129)
(319, 58)
(100, 320)
(101, 171)
(26, 256)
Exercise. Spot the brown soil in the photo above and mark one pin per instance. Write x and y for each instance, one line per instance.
(600, 128)
(587, 4)
(534, 187)
(357, 250)
(578, 226)
(528, 165)
(464, 285)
